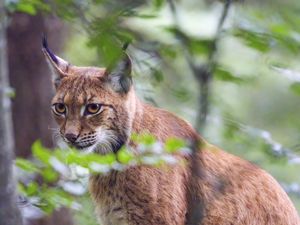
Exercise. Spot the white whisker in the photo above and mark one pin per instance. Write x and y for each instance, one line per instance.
(56, 136)
(103, 141)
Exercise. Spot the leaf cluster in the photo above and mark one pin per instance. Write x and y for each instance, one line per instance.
(52, 178)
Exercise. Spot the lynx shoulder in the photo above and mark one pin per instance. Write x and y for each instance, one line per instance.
(97, 110)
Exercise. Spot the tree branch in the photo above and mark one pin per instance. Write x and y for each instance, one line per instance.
(203, 75)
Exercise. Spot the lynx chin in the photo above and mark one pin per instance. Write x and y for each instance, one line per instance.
(97, 110)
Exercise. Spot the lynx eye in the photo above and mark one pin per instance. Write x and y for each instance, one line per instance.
(92, 109)
(59, 108)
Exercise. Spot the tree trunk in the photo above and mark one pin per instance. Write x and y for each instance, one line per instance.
(9, 212)
(30, 77)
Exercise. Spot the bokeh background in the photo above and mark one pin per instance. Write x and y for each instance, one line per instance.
(231, 68)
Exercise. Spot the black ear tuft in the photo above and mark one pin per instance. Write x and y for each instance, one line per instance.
(45, 47)
(119, 76)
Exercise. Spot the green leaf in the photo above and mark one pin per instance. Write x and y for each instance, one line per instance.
(231, 129)
(40, 152)
(32, 189)
(26, 8)
(145, 16)
(49, 174)
(168, 51)
(295, 87)
(52, 198)
(256, 40)
(287, 43)
(200, 46)
(174, 144)
(282, 29)
(181, 92)
(60, 154)
(225, 75)
(177, 32)
(10, 92)
(21, 188)
(84, 160)
(101, 159)
(26, 165)
(157, 75)
(146, 139)
(158, 4)
(124, 156)
(75, 158)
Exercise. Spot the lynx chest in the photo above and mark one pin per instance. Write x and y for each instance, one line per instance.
(108, 194)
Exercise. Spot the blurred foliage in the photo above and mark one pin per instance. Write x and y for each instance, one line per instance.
(256, 70)
(52, 178)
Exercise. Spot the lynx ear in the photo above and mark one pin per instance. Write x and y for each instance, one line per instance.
(119, 75)
(58, 66)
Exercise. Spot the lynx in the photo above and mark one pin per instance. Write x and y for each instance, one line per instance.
(97, 110)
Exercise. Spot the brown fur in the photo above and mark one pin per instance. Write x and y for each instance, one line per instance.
(230, 190)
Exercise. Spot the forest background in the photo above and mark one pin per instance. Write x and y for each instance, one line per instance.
(231, 68)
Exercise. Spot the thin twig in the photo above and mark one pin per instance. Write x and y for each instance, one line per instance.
(211, 58)
(203, 73)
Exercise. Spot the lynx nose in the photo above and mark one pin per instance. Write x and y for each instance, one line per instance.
(71, 137)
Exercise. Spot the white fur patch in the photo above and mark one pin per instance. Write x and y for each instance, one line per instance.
(82, 109)
(105, 140)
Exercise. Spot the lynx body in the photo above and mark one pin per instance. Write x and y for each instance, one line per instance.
(97, 110)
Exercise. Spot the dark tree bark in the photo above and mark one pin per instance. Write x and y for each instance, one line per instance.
(9, 213)
(30, 77)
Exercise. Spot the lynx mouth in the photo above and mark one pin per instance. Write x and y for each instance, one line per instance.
(99, 147)
(105, 142)
(82, 147)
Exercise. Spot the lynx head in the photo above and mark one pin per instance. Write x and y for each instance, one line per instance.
(92, 106)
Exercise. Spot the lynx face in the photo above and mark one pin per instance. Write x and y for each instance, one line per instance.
(91, 105)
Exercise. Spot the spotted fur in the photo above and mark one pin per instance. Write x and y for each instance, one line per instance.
(226, 191)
